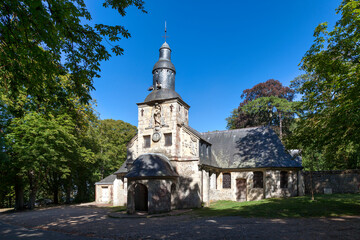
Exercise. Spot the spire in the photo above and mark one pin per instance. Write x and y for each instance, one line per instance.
(163, 76)
(165, 32)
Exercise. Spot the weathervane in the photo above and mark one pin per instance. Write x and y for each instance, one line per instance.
(165, 32)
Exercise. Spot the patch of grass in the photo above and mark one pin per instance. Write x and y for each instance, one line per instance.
(118, 208)
(323, 206)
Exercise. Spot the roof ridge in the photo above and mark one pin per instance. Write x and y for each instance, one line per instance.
(233, 130)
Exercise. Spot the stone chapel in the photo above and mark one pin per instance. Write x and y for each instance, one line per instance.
(170, 165)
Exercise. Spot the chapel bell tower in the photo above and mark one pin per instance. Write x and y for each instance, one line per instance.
(163, 111)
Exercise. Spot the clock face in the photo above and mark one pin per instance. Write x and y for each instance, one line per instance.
(156, 137)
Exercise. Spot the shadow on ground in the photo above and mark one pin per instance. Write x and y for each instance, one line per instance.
(93, 222)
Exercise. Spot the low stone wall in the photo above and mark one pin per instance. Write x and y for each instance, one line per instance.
(346, 181)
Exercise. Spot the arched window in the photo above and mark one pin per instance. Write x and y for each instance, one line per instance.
(258, 179)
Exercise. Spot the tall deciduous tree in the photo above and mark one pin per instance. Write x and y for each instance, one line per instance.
(43, 39)
(246, 116)
(273, 110)
(113, 137)
(42, 145)
(330, 90)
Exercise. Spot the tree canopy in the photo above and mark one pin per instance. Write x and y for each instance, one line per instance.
(267, 103)
(50, 53)
(42, 40)
(330, 92)
(113, 136)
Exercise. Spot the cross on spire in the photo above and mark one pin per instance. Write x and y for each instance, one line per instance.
(165, 33)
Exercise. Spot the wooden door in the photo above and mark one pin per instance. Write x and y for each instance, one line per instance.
(241, 190)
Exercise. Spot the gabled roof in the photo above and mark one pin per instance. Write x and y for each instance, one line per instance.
(122, 169)
(109, 180)
(256, 147)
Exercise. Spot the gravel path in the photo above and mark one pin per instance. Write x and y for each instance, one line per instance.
(94, 223)
(10, 232)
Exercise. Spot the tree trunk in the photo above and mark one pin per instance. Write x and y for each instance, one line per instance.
(32, 197)
(311, 178)
(280, 120)
(311, 187)
(33, 189)
(55, 187)
(68, 189)
(19, 193)
(56, 194)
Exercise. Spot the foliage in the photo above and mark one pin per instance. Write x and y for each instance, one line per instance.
(50, 52)
(42, 40)
(113, 138)
(324, 206)
(266, 103)
(273, 110)
(41, 145)
(330, 92)
(269, 88)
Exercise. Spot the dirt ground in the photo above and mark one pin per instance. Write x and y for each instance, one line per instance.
(92, 222)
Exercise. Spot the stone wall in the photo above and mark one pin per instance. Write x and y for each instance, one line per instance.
(271, 185)
(159, 195)
(205, 187)
(273, 189)
(99, 189)
(173, 115)
(120, 191)
(347, 181)
(188, 185)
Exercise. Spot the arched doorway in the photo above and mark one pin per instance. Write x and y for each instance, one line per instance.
(141, 197)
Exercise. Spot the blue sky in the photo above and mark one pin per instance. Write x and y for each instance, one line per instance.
(219, 49)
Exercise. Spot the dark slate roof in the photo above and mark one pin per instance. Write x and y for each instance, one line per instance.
(162, 94)
(108, 180)
(164, 63)
(151, 165)
(256, 147)
(122, 169)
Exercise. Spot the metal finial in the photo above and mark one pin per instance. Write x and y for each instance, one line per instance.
(165, 32)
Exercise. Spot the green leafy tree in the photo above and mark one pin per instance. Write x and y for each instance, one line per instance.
(266, 103)
(273, 110)
(330, 90)
(113, 137)
(42, 145)
(67, 103)
(42, 40)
